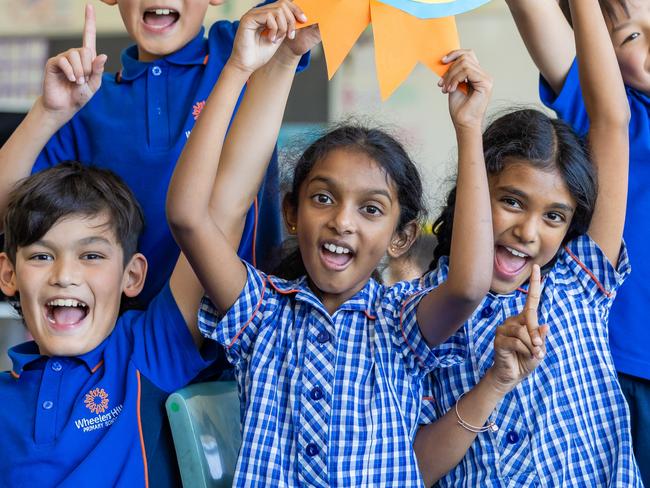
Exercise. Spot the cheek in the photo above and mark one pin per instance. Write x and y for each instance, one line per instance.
(632, 63)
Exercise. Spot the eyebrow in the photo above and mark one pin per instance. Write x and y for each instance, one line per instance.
(620, 27)
(518, 192)
(82, 242)
(332, 183)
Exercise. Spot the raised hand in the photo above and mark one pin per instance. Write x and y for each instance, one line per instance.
(73, 77)
(519, 345)
(467, 107)
(261, 32)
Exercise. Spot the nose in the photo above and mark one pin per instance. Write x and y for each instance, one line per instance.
(526, 230)
(342, 219)
(65, 272)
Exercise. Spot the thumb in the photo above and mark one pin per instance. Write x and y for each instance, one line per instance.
(95, 80)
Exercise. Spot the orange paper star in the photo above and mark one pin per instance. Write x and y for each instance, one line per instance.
(401, 39)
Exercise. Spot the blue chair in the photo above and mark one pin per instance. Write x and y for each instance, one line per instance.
(204, 420)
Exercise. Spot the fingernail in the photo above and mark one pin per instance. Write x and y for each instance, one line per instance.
(292, 34)
(81, 80)
(303, 18)
(537, 341)
(439, 82)
(540, 355)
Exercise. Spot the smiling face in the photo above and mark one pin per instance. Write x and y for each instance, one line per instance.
(70, 284)
(161, 27)
(531, 214)
(346, 220)
(629, 29)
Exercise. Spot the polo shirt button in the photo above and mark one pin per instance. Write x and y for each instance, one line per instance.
(156, 71)
(512, 437)
(56, 366)
(316, 393)
(323, 337)
(311, 450)
(487, 312)
(47, 404)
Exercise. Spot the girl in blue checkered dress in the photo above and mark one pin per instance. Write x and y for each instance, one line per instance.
(567, 423)
(330, 365)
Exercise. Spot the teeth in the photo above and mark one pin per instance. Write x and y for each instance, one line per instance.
(65, 302)
(516, 253)
(162, 11)
(336, 249)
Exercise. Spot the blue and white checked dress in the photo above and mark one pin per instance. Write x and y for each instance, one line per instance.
(567, 424)
(327, 400)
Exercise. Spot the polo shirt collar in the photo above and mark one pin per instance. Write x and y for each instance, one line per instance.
(193, 53)
(27, 353)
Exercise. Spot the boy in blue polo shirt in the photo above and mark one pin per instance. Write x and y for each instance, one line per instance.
(138, 122)
(71, 412)
(549, 39)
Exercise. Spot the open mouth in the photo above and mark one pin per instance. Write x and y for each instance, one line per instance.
(336, 256)
(509, 262)
(160, 18)
(65, 312)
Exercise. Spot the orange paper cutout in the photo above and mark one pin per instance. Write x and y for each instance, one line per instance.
(401, 40)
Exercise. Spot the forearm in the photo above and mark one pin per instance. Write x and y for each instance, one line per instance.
(600, 77)
(19, 153)
(191, 187)
(258, 119)
(440, 446)
(471, 260)
(547, 36)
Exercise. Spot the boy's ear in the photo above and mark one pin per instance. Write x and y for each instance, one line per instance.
(7, 276)
(290, 214)
(135, 273)
(110, 2)
(402, 240)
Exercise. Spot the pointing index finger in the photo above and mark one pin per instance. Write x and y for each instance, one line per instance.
(532, 304)
(90, 30)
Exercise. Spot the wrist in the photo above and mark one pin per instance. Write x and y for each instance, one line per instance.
(286, 58)
(235, 69)
(496, 388)
(47, 118)
(468, 129)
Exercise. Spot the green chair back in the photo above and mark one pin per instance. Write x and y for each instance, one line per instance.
(204, 420)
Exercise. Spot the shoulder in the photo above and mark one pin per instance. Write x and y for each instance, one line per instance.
(582, 267)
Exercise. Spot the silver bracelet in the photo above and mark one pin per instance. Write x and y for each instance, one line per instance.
(489, 427)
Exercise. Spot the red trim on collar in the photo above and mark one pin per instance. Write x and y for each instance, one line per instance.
(14, 374)
(205, 60)
(97, 366)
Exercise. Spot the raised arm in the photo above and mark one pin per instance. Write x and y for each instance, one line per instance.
(71, 79)
(547, 36)
(206, 207)
(445, 309)
(441, 445)
(609, 115)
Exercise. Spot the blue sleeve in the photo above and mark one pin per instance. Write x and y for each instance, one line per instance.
(164, 350)
(237, 330)
(598, 277)
(61, 147)
(401, 312)
(568, 104)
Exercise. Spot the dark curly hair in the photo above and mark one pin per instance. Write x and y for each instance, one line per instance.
(381, 147)
(546, 143)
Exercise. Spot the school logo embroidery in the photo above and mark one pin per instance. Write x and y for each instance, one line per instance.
(96, 400)
(197, 109)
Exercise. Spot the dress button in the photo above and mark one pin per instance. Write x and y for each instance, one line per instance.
(311, 450)
(156, 71)
(487, 312)
(323, 337)
(316, 393)
(56, 366)
(47, 404)
(512, 437)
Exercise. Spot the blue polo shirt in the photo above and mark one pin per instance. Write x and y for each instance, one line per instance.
(628, 324)
(137, 124)
(77, 421)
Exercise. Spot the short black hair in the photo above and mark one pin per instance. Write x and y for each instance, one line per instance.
(71, 188)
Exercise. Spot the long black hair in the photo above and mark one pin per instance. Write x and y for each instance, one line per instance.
(382, 148)
(533, 137)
